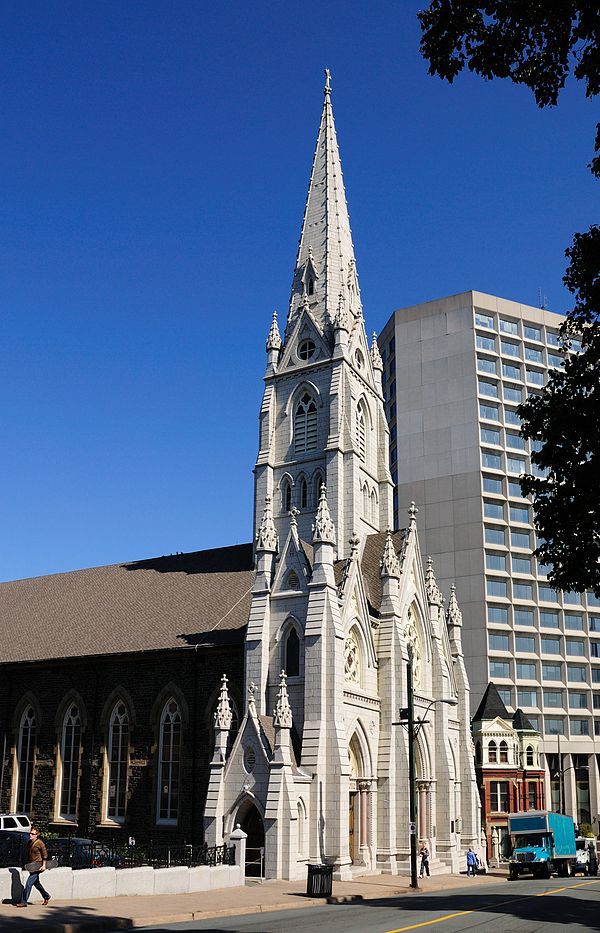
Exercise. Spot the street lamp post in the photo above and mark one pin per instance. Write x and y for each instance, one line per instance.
(407, 719)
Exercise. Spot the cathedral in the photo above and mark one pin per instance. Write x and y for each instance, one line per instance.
(264, 685)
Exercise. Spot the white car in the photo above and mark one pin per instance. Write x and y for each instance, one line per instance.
(17, 822)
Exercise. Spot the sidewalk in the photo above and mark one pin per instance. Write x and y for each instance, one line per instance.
(126, 913)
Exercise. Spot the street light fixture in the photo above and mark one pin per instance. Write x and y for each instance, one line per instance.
(407, 719)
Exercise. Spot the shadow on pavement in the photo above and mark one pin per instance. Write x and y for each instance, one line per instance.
(54, 919)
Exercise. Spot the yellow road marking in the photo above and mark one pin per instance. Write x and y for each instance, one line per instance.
(474, 910)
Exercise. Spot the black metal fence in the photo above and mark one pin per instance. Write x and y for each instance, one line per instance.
(91, 853)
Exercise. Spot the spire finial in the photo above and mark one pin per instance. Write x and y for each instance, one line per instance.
(223, 714)
(323, 528)
(327, 87)
(433, 590)
(266, 536)
(274, 337)
(413, 512)
(390, 565)
(454, 612)
(282, 714)
(375, 354)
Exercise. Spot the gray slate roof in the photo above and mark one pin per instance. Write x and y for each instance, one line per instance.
(165, 602)
(491, 705)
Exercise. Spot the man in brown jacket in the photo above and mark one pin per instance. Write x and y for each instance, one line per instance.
(36, 855)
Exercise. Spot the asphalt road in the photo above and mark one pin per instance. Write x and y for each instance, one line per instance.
(523, 906)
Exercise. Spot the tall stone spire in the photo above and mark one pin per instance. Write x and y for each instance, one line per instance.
(325, 264)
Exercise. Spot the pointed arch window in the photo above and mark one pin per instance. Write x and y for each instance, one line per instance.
(70, 753)
(26, 760)
(311, 286)
(303, 494)
(317, 483)
(492, 753)
(305, 424)
(118, 763)
(365, 494)
(286, 496)
(361, 433)
(503, 752)
(169, 763)
(292, 653)
(373, 507)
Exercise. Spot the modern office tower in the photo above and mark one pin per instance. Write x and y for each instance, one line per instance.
(455, 370)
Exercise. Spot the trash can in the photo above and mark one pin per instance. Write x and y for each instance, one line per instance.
(319, 881)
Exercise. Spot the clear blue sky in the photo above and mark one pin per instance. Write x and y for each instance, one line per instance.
(154, 164)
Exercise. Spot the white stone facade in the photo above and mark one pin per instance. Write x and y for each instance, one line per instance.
(318, 771)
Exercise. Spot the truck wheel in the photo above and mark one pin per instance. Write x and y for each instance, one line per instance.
(512, 874)
(546, 871)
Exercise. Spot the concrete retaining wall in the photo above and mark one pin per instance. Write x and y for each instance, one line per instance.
(67, 885)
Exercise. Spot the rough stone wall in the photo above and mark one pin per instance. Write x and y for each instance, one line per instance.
(146, 681)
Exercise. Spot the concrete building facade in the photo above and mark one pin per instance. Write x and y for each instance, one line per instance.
(455, 370)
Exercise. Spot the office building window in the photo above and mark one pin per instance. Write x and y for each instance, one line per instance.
(515, 441)
(511, 372)
(594, 622)
(578, 700)
(575, 647)
(514, 489)
(495, 561)
(596, 675)
(497, 615)
(576, 674)
(519, 514)
(486, 365)
(550, 645)
(579, 726)
(533, 355)
(508, 327)
(519, 539)
(491, 460)
(523, 616)
(552, 338)
(526, 670)
(512, 394)
(505, 694)
(572, 599)
(555, 360)
(573, 622)
(489, 435)
(498, 642)
(549, 619)
(483, 320)
(493, 509)
(526, 697)
(489, 412)
(547, 594)
(487, 388)
(499, 669)
(592, 599)
(521, 564)
(511, 417)
(525, 643)
(596, 700)
(534, 376)
(485, 343)
(553, 726)
(494, 535)
(553, 698)
(551, 672)
(532, 333)
(595, 649)
(491, 484)
(515, 465)
(522, 590)
(495, 588)
(508, 348)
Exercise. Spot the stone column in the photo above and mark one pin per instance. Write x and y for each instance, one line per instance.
(422, 791)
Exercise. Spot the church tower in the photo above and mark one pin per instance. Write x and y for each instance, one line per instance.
(322, 419)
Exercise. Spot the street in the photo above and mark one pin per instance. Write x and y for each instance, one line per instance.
(524, 906)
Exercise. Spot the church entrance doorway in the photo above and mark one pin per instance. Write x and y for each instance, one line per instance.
(251, 822)
(351, 824)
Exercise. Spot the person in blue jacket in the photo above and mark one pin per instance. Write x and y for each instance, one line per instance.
(471, 863)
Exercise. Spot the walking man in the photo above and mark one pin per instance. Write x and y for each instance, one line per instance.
(471, 863)
(36, 864)
(424, 853)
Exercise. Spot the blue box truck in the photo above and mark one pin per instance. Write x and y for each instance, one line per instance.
(543, 843)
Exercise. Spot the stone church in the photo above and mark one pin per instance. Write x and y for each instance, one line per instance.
(261, 684)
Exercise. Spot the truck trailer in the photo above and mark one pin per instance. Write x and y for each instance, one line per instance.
(543, 843)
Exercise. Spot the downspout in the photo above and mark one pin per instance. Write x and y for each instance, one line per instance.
(8, 697)
(194, 741)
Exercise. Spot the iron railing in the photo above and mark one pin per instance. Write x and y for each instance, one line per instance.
(91, 853)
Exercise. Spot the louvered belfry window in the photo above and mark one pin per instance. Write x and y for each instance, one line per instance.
(305, 424)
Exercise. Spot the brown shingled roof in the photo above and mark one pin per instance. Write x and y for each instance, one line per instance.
(166, 602)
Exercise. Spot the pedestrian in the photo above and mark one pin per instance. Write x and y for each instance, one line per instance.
(471, 863)
(36, 864)
(424, 853)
